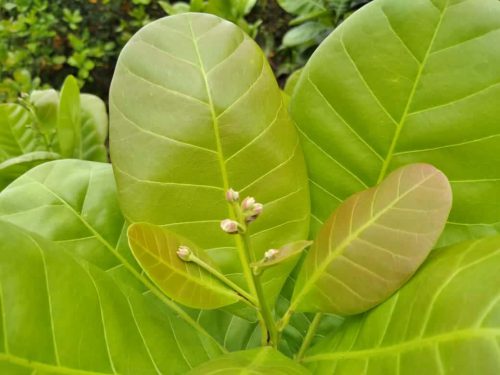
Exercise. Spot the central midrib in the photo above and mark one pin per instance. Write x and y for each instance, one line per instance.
(400, 125)
(222, 167)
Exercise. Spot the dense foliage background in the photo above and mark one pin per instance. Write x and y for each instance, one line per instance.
(42, 41)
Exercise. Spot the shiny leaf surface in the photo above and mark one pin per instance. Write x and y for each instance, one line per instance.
(445, 320)
(401, 82)
(205, 118)
(374, 242)
(62, 315)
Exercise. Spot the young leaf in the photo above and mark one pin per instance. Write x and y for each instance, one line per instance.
(256, 361)
(12, 168)
(445, 320)
(205, 117)
(61, 315)
(285, 253)
(94, 128)
(68, 120)
(401, 82)
(155, 248)
(374, 242)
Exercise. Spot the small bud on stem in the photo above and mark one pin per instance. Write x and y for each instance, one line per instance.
(251, 209)
(230, 226)
(270, 254)
(184, 253)
(232, 196)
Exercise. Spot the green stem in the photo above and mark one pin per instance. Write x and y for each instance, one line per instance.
(266, 313)
(309, 336)
(283, 322)
(248, 298)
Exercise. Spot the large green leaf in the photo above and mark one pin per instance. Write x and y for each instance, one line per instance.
(374, 242)
(62, 315)
(195, 109)
(156, 250)
(401, 82)
(445, 320)
(68, 119)
(256, 361)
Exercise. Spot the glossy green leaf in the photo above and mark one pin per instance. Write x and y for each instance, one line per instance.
(256, 361)
(94, 128)
(156, 248)
(68, 119)
(401, 82)
(204, 131)
(374, 242)
(285, 253)
(445, 320)
(61, 315)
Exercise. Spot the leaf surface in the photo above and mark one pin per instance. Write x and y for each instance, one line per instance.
(256, 361)
(68, 119)
(401, 82)
(94, 128)
(155, 248)
(374, 242)
(61, 315)
(445, 320)
(211, 118)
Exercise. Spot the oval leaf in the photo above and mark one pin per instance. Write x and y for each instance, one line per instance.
(68, 119)
(155, 248)
(374, 242)
(445, 320)
(256, 361)
(62, 315)
(402, 82)
(183, 134)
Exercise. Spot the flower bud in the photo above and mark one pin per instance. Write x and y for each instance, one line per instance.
(184, 253)
(254, 212)
(232, 195)
(247, 203)
(229, 226)
(270, 254)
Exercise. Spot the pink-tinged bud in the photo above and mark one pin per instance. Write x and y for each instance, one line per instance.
(229, 226)
(247, 203)
(257, 208)
(184, 253)
(270, 254)
(232, 195)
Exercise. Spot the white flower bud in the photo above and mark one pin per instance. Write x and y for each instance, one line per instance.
(184, 253)
(270, 254)
(232, 195)
(229, 226)
(247, 203)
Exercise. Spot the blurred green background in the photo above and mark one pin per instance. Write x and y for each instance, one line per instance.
(42, 41)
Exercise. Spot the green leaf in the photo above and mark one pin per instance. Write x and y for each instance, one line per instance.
(203, 130)
(292, 81)
(307, 33)
(94, 128)
(401, 82)
(11, 168)
(63, 315)
(374, 242)
(445, 320)
(156, 248)
(256, 361)
(45, 104)
(68, 119)
(300, 7)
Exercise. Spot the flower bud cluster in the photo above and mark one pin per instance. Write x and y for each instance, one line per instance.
(249, 211)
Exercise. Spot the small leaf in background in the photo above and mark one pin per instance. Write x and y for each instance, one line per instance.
(68, 122)
(445, 320)
(306, 33)
(291, 82)
(374, 242)
(273, 257)
(155, 248)
(255, 361)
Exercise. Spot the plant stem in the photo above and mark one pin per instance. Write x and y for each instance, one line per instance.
(248, 298)
(267, 315)
(283, 322)
(309, 336)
